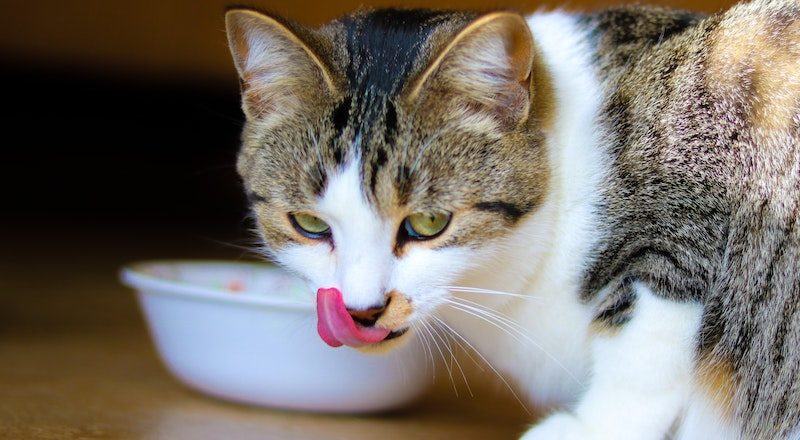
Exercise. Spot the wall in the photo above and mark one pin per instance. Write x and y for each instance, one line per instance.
(185, 37)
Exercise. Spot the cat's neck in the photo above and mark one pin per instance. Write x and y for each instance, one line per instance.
(554, 244)
(579, 161)
(547, 254)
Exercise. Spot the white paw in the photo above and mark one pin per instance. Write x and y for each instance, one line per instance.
(559, 426)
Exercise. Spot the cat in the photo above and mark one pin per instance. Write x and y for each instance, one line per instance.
(602, 205)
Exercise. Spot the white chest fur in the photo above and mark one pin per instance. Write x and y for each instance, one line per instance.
(541, 341)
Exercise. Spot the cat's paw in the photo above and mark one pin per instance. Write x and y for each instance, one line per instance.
(559, 426)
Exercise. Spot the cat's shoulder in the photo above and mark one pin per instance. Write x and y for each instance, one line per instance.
(754, 55)
(747, 56)
(643, 23)
(639, 24)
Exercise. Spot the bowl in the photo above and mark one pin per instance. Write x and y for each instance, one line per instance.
(247, 333)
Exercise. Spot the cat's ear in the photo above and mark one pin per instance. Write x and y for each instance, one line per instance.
(278, 70)
(486, 68)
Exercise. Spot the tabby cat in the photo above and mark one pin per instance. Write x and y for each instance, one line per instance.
(604, 205)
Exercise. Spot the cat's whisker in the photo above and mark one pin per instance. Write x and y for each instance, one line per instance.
(518, 329)
(427, 143)
(453, 357)
(407, 132)
(258, 246)
(431, 356)
(487, 309)
(317, 146)
(253, 249)
(494, 323)
(478, 290)
(472, 305)
(429, 329)
(467, 352)
(426, 349)
(422, 328)
(469, 355)
(509, 326)
(486, 361)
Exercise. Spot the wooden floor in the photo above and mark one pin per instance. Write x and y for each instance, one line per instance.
(76, 361)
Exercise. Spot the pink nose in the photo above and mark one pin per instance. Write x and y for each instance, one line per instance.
(337, 326)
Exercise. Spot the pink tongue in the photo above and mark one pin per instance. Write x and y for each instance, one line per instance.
(336, 327)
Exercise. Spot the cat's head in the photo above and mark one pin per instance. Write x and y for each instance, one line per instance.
(389, 153)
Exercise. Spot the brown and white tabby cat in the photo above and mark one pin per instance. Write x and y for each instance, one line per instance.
(604, 206)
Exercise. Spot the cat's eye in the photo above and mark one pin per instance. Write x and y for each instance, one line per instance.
(425, 225)
(310, 226)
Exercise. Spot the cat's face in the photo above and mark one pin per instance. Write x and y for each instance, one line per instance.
(389, 152)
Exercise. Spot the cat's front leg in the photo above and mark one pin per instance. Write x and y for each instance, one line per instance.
(641, 375)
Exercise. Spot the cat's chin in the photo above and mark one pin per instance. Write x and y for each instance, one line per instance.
(395, 340)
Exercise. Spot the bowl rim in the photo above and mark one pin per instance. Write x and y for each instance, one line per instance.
(133, 275)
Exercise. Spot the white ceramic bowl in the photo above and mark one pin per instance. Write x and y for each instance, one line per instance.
(247, 333)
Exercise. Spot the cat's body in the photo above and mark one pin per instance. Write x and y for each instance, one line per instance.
(634, 174)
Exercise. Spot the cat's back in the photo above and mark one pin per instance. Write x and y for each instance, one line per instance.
(703, 197)
(722, 91)
(703, 118)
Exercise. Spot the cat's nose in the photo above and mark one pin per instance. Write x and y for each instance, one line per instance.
(369, 316)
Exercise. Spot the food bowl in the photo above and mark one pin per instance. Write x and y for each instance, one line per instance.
(247, 333)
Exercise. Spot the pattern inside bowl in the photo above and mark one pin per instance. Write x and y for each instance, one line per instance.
(250, 279)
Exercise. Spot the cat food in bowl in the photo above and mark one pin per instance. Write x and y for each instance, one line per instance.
(248, 333)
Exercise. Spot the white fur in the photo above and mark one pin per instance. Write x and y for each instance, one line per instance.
(703, 421)
(558, 359)
(638, 382)
(362, 240)
(630, 385)
(551, 363)
(641, 376)
(361, 263)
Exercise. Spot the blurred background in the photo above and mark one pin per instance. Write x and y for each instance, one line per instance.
(121, 124)
(123, 116)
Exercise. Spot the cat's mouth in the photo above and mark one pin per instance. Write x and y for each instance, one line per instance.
(394, 339)
(337, 327)
(396, 334)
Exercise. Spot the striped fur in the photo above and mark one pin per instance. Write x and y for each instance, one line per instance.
(680, 194)
(702, 202)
